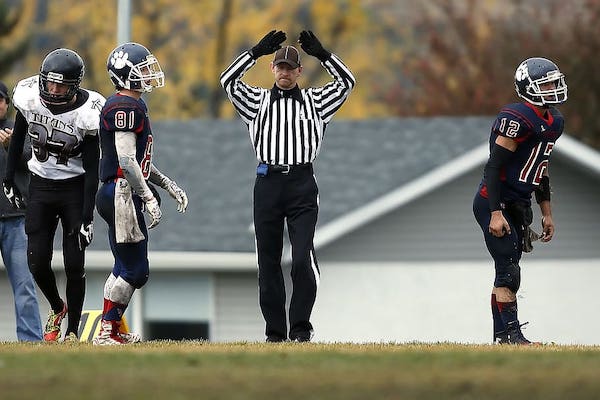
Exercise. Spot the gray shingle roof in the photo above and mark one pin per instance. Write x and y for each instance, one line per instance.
(359, 162)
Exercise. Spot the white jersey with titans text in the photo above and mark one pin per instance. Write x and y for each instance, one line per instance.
(56, 140)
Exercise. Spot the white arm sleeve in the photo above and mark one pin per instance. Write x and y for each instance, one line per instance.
(125, 146)
(159, 178)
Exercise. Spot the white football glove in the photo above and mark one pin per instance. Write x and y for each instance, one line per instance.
(179, 195)
(154, 210)
(85, 236)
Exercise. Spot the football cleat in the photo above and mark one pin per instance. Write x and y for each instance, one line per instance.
(500, 337)
(107, 340)
(52, 329)
(515, 336)
(71, 338)
(130, 337)
(109, 335)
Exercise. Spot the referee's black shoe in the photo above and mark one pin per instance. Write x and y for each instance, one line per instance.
(302, 337)
(275, 339)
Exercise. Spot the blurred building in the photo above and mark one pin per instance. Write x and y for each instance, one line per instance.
(400, 254)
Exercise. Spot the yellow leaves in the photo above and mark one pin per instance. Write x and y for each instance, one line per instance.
(409, 57)
(24, 13)
(452, 83)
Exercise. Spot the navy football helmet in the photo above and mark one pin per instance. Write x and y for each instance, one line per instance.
(532, 74)
(132, 66)
(61, 66)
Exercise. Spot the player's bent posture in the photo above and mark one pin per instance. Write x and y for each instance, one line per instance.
(522, 138)
(62, 121)
(125, 167)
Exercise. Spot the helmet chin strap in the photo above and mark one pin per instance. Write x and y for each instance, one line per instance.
(61, 103)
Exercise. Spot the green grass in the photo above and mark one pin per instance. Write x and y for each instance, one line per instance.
(200, 370)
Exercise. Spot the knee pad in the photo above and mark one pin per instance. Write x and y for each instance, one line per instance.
(110, 281)
(508, 276)
(121, 291)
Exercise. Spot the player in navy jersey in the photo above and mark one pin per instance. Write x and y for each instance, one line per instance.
(522, 138)
(126, 167)
(61, 120)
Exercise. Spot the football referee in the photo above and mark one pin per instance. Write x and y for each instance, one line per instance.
(286, 126)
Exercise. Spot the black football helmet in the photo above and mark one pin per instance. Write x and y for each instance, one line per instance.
(132, 66)
(61, 66)
(532, 73)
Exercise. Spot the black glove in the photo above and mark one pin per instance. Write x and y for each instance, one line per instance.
(85, 235)
(13, 194)
(311, 45)
(269, 44)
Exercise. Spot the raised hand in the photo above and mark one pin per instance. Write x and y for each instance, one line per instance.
(311, 45)
(268, 44)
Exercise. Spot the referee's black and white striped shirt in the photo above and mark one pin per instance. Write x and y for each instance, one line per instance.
(287, 127)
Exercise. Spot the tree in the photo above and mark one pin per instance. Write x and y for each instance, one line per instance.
(469, 51)
(410, 58)
(14, 40)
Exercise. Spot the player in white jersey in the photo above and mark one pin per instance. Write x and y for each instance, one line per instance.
(62, 121)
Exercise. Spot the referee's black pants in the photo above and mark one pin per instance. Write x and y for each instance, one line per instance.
(293, 197)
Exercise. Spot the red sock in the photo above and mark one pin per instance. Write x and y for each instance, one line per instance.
(498, 324)
(106, 307)
(114, 311)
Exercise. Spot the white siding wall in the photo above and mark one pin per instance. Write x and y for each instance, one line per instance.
(438, 302)
(396, 302)
(182, 296)
(237, 314)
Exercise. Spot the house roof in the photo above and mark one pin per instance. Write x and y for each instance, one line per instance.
(365, 169)
(576, 152)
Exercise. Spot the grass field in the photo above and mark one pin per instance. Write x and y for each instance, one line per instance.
(201, 370)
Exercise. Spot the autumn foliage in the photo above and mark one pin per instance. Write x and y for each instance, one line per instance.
(410, 58)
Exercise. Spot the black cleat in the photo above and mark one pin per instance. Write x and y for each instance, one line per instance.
(515, 336)
(500, 337)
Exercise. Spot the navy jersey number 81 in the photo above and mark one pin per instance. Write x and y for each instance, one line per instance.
(123, 113)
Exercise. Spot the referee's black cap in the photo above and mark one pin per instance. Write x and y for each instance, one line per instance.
(288, 55)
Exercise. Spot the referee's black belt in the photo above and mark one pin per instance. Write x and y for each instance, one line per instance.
(264, 169)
